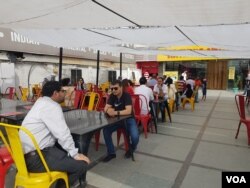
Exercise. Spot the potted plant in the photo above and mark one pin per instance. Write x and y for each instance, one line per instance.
(236, 84)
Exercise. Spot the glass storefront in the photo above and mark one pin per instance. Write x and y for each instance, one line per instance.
(241, 68)
(199, 68)
(193, 68)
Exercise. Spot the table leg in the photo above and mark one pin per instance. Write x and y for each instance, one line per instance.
(82, 142)
(153, 113)
(168, 110)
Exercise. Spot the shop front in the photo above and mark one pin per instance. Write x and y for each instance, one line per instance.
(148, 68)
(221, 74)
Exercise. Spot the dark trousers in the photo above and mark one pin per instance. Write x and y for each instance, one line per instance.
(57, 160)
(130, 127)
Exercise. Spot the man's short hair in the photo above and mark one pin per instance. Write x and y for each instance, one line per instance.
(143, 80)
(160, 78)
(49, 88)
(117, 82)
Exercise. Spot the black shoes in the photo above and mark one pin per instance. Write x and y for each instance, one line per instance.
(128, 154)
(109, 157)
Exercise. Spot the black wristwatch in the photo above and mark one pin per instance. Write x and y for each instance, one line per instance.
(118, 113)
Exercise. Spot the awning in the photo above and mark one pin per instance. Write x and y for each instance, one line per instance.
(142, 28)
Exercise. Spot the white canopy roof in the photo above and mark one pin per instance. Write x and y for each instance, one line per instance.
(211, 28)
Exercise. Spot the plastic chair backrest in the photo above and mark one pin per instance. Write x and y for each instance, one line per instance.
(11, 92)
(24, 93)
(75, 98)
(102, 101)
(16, 150)
(136, 104)
(143, 100)
(90, 101)
(240, 103)
(89, 86)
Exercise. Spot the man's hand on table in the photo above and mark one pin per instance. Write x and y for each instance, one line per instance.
(111, 112)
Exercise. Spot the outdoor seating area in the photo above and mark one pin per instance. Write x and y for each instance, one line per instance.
(125, 94)
(192, 151)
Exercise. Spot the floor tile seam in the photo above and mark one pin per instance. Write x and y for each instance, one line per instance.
(207, 167)
(97, 161)
(205, 140)
(226, 119)
(182, 124)
(188, 115)
(184, 169)
(226, 129)
(225, 144)
(188, 124)
(176, 136)
(91, 186)
(159, 157)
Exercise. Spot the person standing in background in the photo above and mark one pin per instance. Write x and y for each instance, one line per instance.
(181, 87)
(204, 89)
(80, 84)
(127, 87)
(197, 87)
(184, 74)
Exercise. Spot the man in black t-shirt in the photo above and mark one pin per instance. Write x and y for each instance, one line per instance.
(119, 103)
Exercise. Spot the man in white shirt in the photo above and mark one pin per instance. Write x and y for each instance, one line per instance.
(46, 122)
(147, 92)
(161, 91)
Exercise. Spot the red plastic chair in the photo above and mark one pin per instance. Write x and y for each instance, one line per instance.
(5, 162)
(143, 118)
(146, 118)
(76, 97)
(11, 92)
(240, 103)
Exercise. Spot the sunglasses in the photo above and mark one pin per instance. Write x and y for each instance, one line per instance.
(114, 88)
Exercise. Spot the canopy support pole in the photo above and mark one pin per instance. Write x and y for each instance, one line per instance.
(98, 67)
(60, 63)
(121, 65)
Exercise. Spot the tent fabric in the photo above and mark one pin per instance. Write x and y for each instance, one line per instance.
(143, 28)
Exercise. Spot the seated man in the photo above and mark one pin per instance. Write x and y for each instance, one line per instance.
(119, 104)
(147, 92)
(46, 122)
(161, 91)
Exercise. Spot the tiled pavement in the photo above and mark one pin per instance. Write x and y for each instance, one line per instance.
(190, 152)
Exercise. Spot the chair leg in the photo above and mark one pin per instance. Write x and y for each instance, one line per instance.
(248, 133)
(125, 141)
(236, 136)
(144, 123)
(97, 140)
(192, 106)
(119, 132)
(2, 179)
